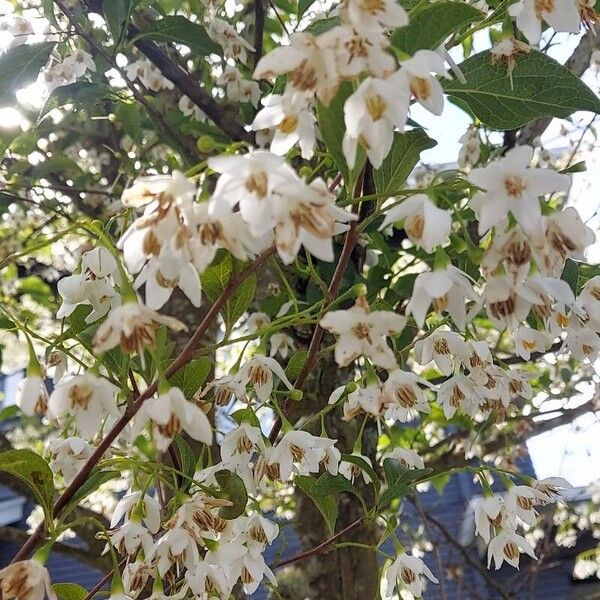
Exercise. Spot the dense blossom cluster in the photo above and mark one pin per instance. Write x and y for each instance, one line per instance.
(173, 227)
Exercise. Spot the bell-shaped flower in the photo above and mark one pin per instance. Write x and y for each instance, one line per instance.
(408, 572)
(373, 16)
(148, 506)
(507, 546)
(561, 15)
(491, 514)
(511, 186)
(551, 489)
(457, 392)
(404, 397)
(370, 115)
(363, 333)
(310, 62)
(282, 344)
(445, 348)
(408, 458)
(258, 372)
(26, 580)
(157, 189)
(415, 74)
(68, 456)
(253, 570)
(293, 121)
(447, 289)
(133, 327)
(510, 250)
(583, 343)
(233, 44)
(299, 451)
(506, 307)
(175, 546)
(130, 538)
(368, 400)
(170, 413)
(528, 340)
(352, 470)
(206, 580)
(426, 225)
(87, 398)
(244, 440)
(589, 302)
(259, 532)
(521, 500)
(31, 395)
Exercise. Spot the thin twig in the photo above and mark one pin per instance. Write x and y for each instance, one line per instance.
(259, 29)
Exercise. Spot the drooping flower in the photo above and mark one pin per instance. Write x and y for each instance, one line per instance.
(170, 412)
(445, 348)
(366, 15)
(363, 333)
(447, 289)
(370, 115)
(87, 398)
(26, 580)
(511, 186)
(528, 340)
(233, 44)
(403, 396)
(353, 470)
(148, 507)
(258, 372)
(31, 395)
(561, 15)
(133, 327)
(408, 458)
(408, 572)
(457, 392)
(507, 546)
(426, 225)
(68, 456)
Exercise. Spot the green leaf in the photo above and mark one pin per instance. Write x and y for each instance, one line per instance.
(69, 591)
(215, 279)
(235, 491)
(539, 87)
(401, 160)
(187, 460)
(192, 376)
(327, 505)
(331, 124)
(245, 415)
(322, 25)
(117, 13)
(328, 484)
(570, 274)
(34, 472)
(303, 6)
(430, 27)
(296, 364)
(364, 465)
(81, 94)
(180, 30)
(400, 481)
(91, 484)
(20, 66)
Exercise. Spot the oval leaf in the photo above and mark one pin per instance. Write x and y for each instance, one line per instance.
(234, 490)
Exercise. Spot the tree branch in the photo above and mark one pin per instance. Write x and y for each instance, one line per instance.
(259, 29)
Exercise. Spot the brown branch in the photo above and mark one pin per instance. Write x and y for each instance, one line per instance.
(259, 29)
(186, 146)
(320, 547)
(186, 355)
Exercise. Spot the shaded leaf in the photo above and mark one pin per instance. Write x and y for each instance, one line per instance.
(327, 505)
(69, 591)
(401, 160)
(192, 376)
(234, 490)
(296, 364)
(429, 27)
(180, 30)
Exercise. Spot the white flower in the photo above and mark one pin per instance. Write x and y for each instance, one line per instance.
(360, 51)
(226, 388)
(237, 88)
(158, 189)
(233, 44)
(133, 327)
(26, 580)
(170, 412)
(259, 371)
(408, 572)
(253, 570)
(528, 340)
(162, 274)
(149, 507)
(566, 236)
(550, 489)
(310, 61)
(445, 348)
(491, 513)
(130, 538)
(79, 62)
(363, 333)
(457, 392)
(176, 546)
(510, 249)
(366, 15)
(507, 546)
(589, 301)
(282, 344)
(250, 181)
(426, 225)
(260, 532)
(298, 450)
(352, 470)
(99, 261)
(81, 289)
(470, 150)
(583, 343)
(447, 290)
(520, 500)
(87, 398)
(367, 400)
(206, 580)
(561, 15)
(189, 108)
(293, 121)
(408, 458)
(510, 186)
(415, 74)
(255, 321)
(403, 397)
(507, 305)
(370, 115)
(68, 456)
(307, 215)
(244, 440)
(31, 395)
